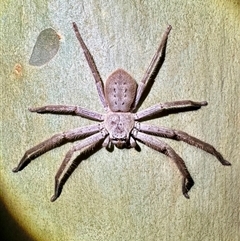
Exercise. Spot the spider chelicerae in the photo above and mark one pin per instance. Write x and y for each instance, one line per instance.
(121, 125)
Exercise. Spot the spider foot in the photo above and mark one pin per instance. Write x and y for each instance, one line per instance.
(18, 168)
(32, 109)
(36, 109)
(15, 169)
(186, 186)
(203, 103)
(169, 27)
(22, 164)
(57, 192)
(220, 158)
(226, 163)
(53, 198)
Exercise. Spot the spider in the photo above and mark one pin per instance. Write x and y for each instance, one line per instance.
(121, 125)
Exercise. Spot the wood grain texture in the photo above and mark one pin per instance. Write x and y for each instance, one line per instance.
(123, 195)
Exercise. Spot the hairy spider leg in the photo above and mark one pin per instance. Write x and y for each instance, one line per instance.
(179, 106)
(93, 67)
(68, 164)
(153, 69)
(68, 110)
(160, 146)
(56, 141)
(181, 136)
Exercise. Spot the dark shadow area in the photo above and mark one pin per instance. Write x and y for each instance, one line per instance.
(9, 228)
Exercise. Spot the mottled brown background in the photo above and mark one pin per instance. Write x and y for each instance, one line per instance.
(124, 195)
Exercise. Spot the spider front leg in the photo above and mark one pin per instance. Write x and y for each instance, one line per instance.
(93, 67)
(160, 146)
(68, 110)
(182, 105)
(69, 164)
(56, 141)
(153, 69)
(181, 136)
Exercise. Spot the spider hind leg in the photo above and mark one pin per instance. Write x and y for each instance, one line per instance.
(86, 148)
(160, 146)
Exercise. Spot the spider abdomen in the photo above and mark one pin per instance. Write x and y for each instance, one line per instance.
(120, 91)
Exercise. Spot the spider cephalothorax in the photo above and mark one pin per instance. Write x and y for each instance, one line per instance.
(121, 125)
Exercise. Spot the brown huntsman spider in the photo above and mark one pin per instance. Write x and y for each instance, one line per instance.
(121, 125)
